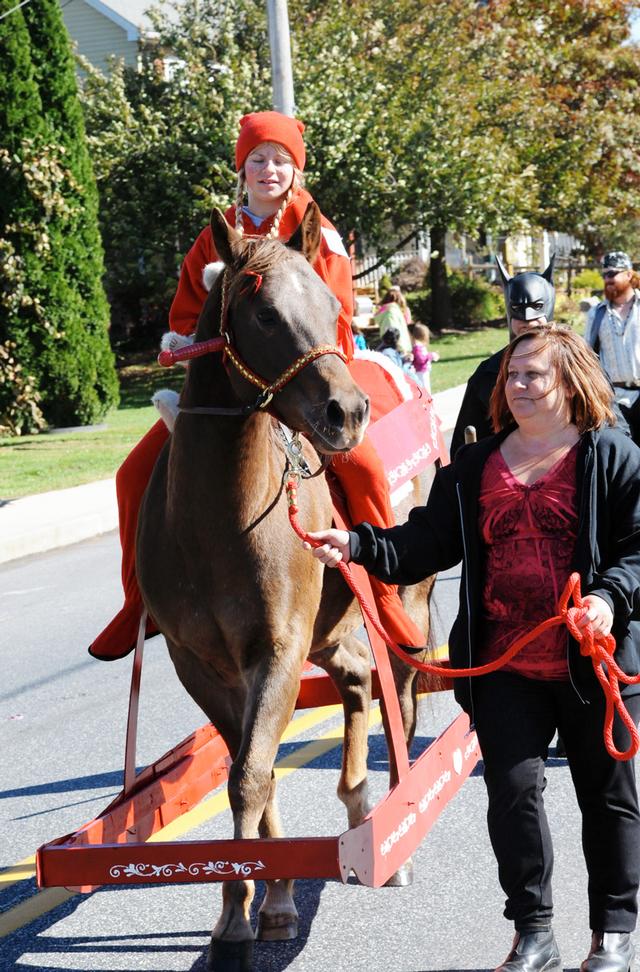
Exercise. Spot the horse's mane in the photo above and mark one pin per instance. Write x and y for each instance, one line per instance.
(255, 257)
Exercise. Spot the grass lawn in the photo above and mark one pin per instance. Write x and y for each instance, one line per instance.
(461, 353)
(56, 460)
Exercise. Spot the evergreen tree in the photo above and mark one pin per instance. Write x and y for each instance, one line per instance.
(53, 310)
(20, 123)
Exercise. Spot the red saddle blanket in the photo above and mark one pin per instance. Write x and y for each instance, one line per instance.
(405, 430)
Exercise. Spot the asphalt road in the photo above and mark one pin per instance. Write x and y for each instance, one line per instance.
(63, 717)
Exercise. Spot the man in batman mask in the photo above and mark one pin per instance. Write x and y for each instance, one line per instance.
(529, 299)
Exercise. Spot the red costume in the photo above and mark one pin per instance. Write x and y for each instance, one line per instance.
(362, 477)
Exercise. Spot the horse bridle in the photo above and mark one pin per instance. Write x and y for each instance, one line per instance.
(224, 345)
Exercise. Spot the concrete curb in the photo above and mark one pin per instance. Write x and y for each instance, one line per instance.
(48, 520)
(45, 521)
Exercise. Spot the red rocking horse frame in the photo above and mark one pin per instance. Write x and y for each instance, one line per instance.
(113, 848)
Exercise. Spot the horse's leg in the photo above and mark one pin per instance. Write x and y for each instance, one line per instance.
(278, 915)
(231, 948)
(269, 707)
(349, 666)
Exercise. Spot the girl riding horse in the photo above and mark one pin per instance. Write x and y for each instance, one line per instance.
(270, 159)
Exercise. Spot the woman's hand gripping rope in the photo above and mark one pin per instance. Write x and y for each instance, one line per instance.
(589, 621)
(333, 549)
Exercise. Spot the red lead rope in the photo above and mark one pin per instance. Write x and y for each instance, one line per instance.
(600, 649)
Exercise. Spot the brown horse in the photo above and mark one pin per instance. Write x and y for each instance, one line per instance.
(242, 606)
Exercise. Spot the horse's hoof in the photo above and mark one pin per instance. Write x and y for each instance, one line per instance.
(230, 956)
(277, 928)
(402, 878)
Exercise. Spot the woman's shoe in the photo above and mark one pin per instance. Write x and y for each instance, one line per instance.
(610, 952)
(533, 952)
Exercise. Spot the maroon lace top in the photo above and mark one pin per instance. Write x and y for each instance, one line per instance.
(529, 535)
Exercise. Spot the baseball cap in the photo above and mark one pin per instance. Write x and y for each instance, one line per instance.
(617, 260)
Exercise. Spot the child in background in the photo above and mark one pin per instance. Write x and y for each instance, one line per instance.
(391, 348)
(401, 300)
(422, 357)
(358, 337)
(390, 314)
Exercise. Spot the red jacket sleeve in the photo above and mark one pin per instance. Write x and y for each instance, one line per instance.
(191, 293)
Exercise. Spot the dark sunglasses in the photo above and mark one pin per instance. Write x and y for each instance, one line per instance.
(610, 274)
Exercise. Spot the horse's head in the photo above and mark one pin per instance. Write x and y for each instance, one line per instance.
(276, 312)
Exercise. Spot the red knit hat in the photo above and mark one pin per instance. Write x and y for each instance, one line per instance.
(270, 126)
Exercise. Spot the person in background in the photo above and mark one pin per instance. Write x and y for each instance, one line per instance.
(613, 331)
(390, 348)
(358, 337)
(422, 356)
(390, 314)
(270, 202)
(402, 302)
(529, 300)
(552, 492)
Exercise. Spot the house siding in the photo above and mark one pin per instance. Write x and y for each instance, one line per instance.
(96, 37)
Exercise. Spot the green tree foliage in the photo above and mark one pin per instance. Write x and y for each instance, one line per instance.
(569, 106)
(473, 301)
(163, 147)
(53, 310)
(461, 116)
(403, 125)
(20, 117)
(448, 115)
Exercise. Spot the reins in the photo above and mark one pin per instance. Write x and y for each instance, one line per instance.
(222, 344)
(599, 648)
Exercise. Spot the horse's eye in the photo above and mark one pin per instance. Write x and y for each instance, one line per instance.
(267, 317)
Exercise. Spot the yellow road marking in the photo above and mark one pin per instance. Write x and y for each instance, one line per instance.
(21, 871)
(27, 911)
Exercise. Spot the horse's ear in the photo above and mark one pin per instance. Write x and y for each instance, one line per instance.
(503, 271)
(224, 236)
(306, 238)
(548, 273)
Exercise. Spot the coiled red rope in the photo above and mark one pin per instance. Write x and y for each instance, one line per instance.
(599, 648)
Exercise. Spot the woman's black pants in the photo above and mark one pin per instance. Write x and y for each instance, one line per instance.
(515, 719)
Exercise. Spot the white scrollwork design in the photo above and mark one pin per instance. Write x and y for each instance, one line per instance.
(241, 869)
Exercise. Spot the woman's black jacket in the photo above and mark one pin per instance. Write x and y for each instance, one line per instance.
(474, 408)
(445, 531)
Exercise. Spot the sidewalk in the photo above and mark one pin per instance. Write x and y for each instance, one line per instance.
(48, 520)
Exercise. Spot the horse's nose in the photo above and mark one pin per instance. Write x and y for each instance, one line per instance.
(358, 413)
(335, 415)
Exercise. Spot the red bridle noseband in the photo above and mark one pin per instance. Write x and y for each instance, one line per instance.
(223, 344)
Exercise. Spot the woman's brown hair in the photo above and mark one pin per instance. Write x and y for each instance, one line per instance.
(577, 369)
